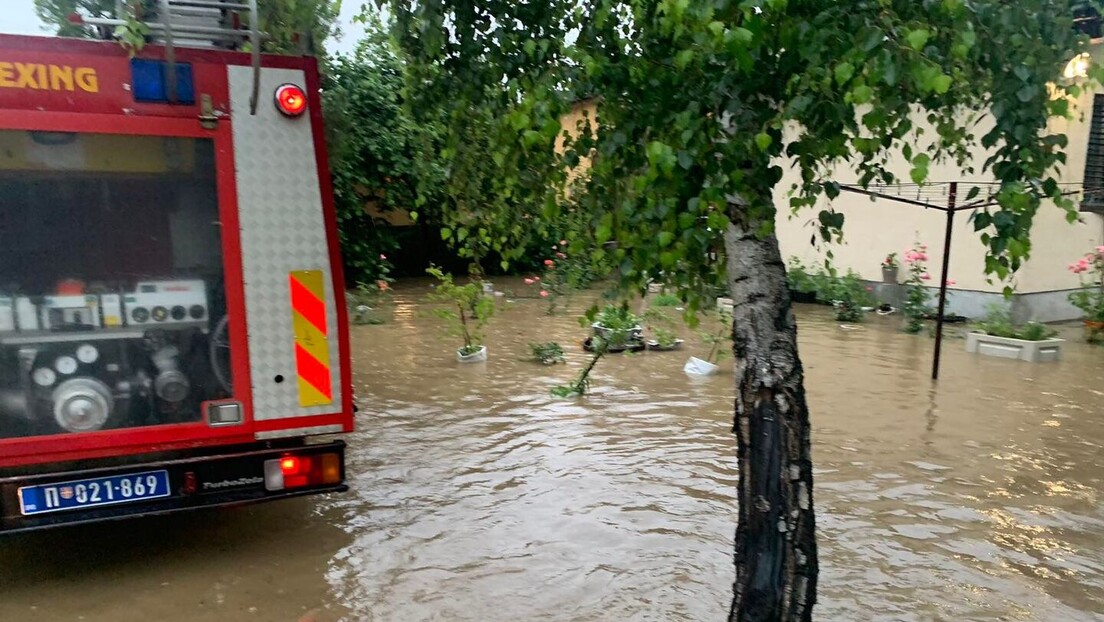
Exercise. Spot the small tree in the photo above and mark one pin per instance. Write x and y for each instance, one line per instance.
(467, 310)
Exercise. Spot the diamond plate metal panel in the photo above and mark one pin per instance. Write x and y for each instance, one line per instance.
(282, 230)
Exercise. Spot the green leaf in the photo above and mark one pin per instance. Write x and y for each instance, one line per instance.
(684, 58)
(446, 233)
(1026, 94)
(861, 94)
(919, 170)
(918, 38)
(763, 141)
(972, 194)
(685, 160)
(665, 238)
(844, 71)
(942, 84)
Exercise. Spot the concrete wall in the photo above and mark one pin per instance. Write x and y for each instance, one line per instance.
(1038, 306)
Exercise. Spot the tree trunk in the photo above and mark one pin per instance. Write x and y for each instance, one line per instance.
(776, 556)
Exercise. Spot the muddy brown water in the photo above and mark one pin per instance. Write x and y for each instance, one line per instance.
(475, 496)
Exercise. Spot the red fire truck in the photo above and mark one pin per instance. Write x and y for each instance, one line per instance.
(172, 320)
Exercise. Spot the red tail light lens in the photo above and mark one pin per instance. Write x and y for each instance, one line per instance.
(291, 101)
(293, 471)
(290, 465)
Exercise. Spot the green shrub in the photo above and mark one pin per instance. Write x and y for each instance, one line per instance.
(998, 323)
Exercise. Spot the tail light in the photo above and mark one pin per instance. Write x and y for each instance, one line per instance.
(296, 471)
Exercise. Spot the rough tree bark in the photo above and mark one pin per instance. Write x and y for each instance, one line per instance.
(776, 557)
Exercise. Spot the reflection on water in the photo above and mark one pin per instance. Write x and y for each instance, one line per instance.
(476, 496)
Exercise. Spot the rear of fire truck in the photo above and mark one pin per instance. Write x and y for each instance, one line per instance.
(172, 318)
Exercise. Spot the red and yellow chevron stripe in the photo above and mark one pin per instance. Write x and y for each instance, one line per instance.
(312, 347)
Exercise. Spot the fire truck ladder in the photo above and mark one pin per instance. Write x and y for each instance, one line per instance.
(195, 23)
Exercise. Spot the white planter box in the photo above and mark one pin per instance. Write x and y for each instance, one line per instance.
(635, 333)
(1006, 347)
(479, 356)
(698, 367)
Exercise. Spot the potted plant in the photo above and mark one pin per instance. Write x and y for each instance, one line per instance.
(890, 267)
(708, 366)
(998, 336)
(849, 296)
(660, 325)
(466, 313)
(1090, 298)
(548, 353)
(618, 327)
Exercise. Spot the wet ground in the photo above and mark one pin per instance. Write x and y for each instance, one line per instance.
(478, 497)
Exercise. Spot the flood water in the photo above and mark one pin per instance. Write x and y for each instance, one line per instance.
(475, 496)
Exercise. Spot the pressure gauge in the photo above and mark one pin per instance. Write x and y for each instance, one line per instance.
(88, 354)
(44, 377)
(66, 365)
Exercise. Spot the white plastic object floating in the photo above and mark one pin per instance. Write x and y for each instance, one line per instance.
(479, 356)
(698, 367)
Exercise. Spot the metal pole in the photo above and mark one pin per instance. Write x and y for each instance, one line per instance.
(951, 196)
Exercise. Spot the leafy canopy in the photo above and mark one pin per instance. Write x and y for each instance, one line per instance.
(702, 103)
(293, 26)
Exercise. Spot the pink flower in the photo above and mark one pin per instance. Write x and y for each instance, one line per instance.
(950, 282)
(561, 255)
(1100, 249)
(529, 281)
(922, 257)
(543, 294)
(554, 247)
(563, 242)
(536, 278)
(925, 277)
(549, 263)
(383, 257)
(1072, 268)
(382, 285)
(923, 247)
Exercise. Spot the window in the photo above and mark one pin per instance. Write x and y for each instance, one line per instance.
(1094, 161)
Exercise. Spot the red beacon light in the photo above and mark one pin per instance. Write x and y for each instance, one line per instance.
(291, 101)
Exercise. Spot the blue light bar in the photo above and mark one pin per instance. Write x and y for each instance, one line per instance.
(148, 81)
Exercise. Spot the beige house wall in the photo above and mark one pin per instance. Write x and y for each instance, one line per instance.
(874, 228)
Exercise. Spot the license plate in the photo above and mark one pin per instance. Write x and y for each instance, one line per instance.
(93, 492)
